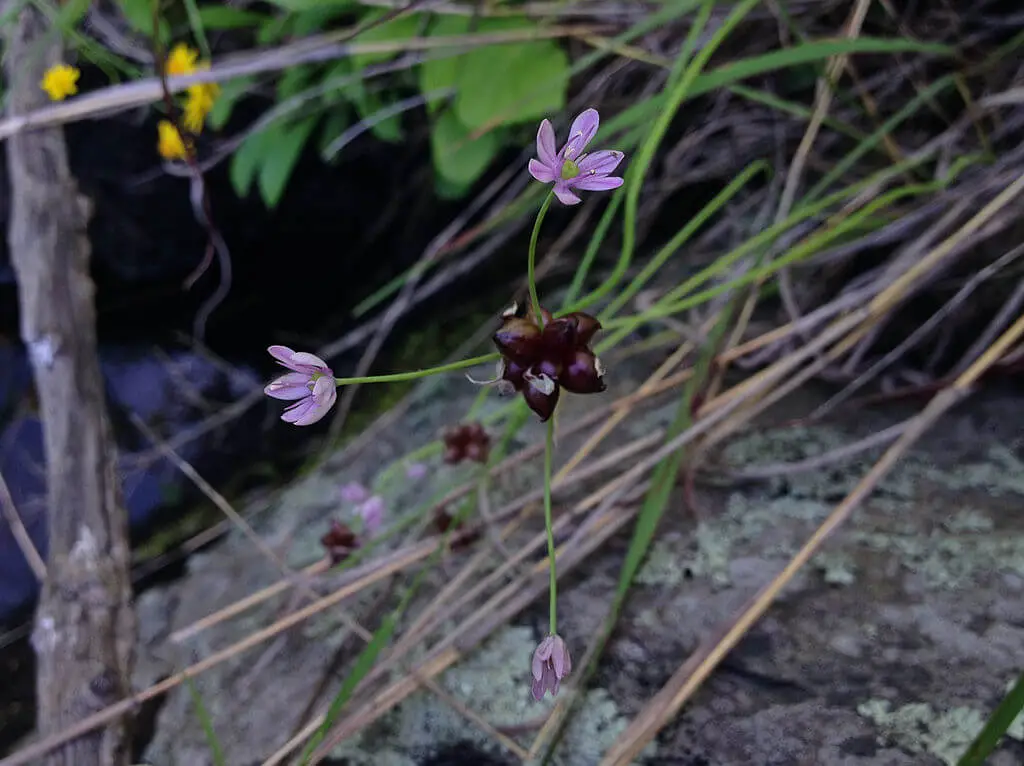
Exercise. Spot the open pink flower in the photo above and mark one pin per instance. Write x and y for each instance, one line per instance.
(371, 511)
(551, 663)
(570, 168)
(354, 492)
(310, 382)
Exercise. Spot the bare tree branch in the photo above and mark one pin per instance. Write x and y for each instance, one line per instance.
(84, 635)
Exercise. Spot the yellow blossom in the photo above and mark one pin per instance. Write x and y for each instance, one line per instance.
(170, 145)
(181, 60)
(60, 81)
(198, 103)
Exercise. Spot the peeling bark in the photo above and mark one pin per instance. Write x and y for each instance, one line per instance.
(84, 636)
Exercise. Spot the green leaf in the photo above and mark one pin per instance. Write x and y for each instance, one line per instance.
(139, 15)
(278, 163)
(71, 13)
(310, 5)
(389, 129)
(340, 71)
(338, 119)
(246, 162)
(231, 92)
(292, 81)
(226, 17)
(396, 30)
(513, 83)
(318, 16)
(460, 161)
(441, 73)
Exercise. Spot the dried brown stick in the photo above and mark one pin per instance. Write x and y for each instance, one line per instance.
(324, 47)
(21, 535)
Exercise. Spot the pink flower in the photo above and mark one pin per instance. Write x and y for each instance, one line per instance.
(551, 663)
(310, 382)
(354, 492)
(569, 168)
(415, 471)
(372, 514)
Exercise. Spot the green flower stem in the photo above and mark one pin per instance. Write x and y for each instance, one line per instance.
(531, 260)
(416, 374)
(549, 448)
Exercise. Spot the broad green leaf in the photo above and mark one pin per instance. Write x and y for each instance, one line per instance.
(318, 16)
(278, 163)
(338, 119)
(458, 159)
(226, 17)
(396, 30)
(231, 92)
(246, 162)
(71, 13)
(274, 30)
(389, 129)
(310, 5)
(512, 83)
(139, 15)
(449, 190)
(292, 81)
(441, 73)
(348, 89)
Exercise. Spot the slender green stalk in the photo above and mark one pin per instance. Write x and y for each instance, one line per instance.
(416, 374)
(532, 258)
(549, 448)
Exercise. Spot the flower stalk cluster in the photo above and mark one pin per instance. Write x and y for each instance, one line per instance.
(540, 355)
(199, 100)
(61, 81)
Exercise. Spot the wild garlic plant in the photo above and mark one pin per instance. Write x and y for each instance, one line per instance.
(540, 354)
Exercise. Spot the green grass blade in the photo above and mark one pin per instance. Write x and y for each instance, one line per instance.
(998, 724)
(216, 751)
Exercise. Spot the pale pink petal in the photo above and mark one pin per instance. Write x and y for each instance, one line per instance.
(538, 689)
(541, 172)
(298, 410)
(600, 163)
(306, 359)
(415, 471)
(354, 492)
(372, 514)
(293, 385)
(282, 354)
(582, 132)
(564, 194)
(546, 144)
(322, 399)
(597, 183)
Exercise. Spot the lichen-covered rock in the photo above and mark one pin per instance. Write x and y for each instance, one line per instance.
(888, 650)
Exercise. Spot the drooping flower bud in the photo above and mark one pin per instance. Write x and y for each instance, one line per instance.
(551, 663)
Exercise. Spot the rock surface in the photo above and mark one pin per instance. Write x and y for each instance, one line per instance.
(890, 649)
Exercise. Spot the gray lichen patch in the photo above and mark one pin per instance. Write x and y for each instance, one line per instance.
(919, 728)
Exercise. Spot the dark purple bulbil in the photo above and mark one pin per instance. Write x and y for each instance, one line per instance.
(538, 360)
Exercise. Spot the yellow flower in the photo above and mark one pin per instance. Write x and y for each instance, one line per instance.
(198, 104)
(60, 81)
(170, 145)
(181, 60)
